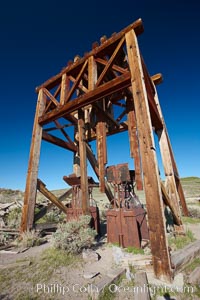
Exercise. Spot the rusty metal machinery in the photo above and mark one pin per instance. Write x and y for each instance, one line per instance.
(126, 221)
(74, 209)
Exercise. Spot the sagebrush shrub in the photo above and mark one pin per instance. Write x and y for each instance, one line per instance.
(74, 235)
(14, 218)
(29, 239)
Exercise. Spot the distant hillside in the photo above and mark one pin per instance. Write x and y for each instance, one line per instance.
(8, 195)
(191, 187)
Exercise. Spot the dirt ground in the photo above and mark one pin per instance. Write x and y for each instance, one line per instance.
(65, 282)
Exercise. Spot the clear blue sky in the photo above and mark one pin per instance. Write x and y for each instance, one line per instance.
(39, 37)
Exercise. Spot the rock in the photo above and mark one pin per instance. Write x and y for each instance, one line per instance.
(194, 277)
(90, 275)
(118, 254)
(90, 255)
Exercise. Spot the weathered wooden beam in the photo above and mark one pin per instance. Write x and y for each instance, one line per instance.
(134, 145)
(52, 82)
(95, 167)
(42, 188)
(141, 286)
(65, 87)
(177, 179)
(110, 62)
(156, 220)
(101, 150)
(173, 183)
(58, 142)
(47, 208)
(102, 91)
(31, 181)
(182, 257)
(59, 126)
(155, 116)
(157, 78)
(92, 73)
(114, 66)
(170, 203)
(106, 114)
(182, 197)
(83, 162)
(76, 83)
(79, 85)
(51, 97)
(170, 182)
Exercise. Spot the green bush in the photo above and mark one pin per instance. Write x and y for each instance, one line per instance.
(13, 219)
(29, 239)
(74, 235)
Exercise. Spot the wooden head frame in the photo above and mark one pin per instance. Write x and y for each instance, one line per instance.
(85, 95)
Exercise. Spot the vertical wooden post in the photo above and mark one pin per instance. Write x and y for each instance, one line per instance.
(83, 162)
(101, 150)
(31, 181)
(154, 202)
(173, 184)
(100, 128)
(64, 88)
(92, 73)
(134, 145)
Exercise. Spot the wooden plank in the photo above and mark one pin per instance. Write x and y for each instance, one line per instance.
(83, 162)
(177, 179)
(59, 126)
(42, 188)
(58, 142)
(65, 86)
(52, 82)
(47, 208)
(51, 97)
(194, 277)
(154, 202)
(134, 144)
(77, 81)
(114, 66)
(141, 287)
(101, 150)
(172, 182)
(168, 201)
(102, 91)
(155, 116)
(157, 78)
(31, 181)
(183, 256)
(95, 167)
(92, 73)
(169, 174)
(80, 85)
(110, 62)
(182, 197)
(106, 114)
